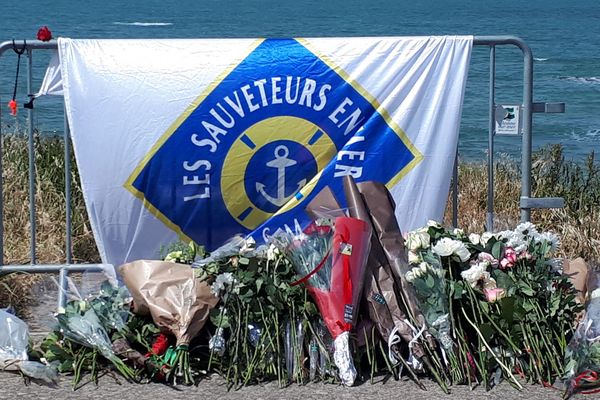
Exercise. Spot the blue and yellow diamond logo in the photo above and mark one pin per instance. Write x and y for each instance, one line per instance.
(267, 136)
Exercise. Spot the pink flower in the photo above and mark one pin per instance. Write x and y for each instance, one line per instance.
(471, 361)
(483, 256)
(493, 295)
(525, 256)
(510, 258)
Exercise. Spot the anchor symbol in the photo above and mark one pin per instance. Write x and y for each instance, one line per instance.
(281, 162)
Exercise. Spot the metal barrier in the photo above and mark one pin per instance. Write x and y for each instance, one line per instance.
(528, 107)
(526, 204)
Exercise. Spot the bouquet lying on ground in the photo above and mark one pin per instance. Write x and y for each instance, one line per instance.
(582, 358)
(332, 260)
(497, 303)
(14, 341)
(178, 303)
(261, 320)
(83, 332)
(512, 311)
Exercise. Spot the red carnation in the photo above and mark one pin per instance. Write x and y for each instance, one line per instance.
(44, 34)
(160, 345)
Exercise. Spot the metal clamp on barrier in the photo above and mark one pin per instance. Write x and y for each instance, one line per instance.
(529, 203)
(548, 107)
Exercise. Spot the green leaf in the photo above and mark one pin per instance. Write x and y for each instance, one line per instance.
(485, 306)
(259, 283)
(310, 308)
(458, 290)
(487, 331)
(271, 290)
(507, 306)
(429, 282)
(497, 249)
(503, 280)
(244, 261)
(66, 366)
(219, 319)
(526, 289)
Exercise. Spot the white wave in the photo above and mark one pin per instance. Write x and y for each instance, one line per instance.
(540, 59)
(589, 80)
(593, 133)
(585, 136)
(144, 23)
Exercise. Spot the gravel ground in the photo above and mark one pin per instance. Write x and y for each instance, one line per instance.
(12, 387)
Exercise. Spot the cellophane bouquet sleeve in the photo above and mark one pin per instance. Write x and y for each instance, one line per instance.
(332, 261)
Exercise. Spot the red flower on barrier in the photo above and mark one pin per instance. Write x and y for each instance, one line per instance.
(13, 107)
(44, 34)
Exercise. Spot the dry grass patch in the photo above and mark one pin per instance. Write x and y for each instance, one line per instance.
(578, 224)
(50, 213)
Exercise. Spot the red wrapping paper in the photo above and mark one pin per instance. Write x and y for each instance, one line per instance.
(339, 304)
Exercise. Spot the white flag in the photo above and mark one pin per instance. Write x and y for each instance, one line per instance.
(205, 139)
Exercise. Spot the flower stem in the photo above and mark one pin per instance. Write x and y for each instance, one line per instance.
(506, 369)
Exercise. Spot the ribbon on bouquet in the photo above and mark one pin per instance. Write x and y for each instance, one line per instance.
(394, 338)
(314, 271)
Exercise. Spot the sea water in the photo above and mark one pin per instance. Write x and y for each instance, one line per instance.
(564, 37)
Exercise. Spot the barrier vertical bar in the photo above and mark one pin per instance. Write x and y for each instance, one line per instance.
(526, 128)
(492, 105)
(455, 191)
(31, 151)
(1, 192)
(66, 137)
(62, 277)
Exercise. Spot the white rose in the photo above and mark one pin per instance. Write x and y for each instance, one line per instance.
(462, 252)
(410, 276)
(272, 252)
(249, 245)
(413, 258)
(486, 237)
(489, 283)
(476, 273)
(417, 240)
(412, 242)
(433, 224)
(475, 238)
(444, 247)
(458, 232)
(417, 273)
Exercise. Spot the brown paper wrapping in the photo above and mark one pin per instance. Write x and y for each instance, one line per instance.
(371, 202)
(169, 292)
(577, 270)
(381, 208)
(381, 282)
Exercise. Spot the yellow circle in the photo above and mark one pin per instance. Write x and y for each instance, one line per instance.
(253, 139)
